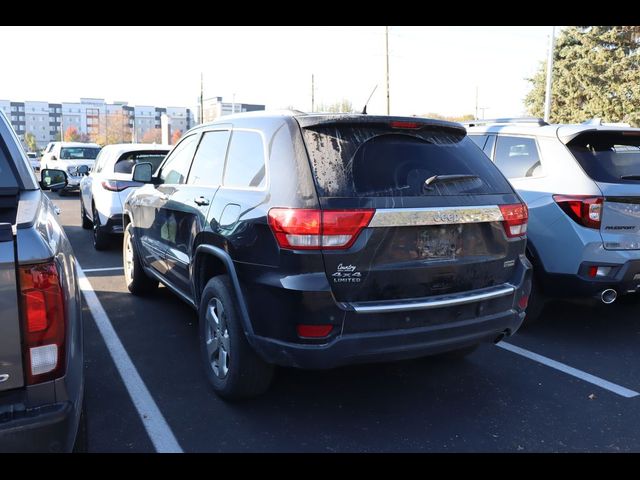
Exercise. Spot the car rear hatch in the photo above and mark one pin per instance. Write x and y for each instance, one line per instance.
(11, 373)
(612, 159)
(433, 225)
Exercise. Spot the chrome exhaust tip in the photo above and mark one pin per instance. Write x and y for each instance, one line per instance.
(608, 296)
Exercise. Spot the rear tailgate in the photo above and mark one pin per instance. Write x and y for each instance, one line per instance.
(612, 160)
(424, 239)
(11, 374)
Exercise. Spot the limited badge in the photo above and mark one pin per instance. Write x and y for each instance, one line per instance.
(347, 274)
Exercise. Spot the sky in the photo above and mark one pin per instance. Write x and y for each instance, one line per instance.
(431, 69)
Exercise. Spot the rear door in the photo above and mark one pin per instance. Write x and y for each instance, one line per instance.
(436, 228)
(612, 160)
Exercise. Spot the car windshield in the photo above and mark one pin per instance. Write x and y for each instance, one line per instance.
(79, 153)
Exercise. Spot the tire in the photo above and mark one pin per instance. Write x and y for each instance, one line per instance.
(101, 239)
(136, 279)
(233, 369)
(86, 223)
(537, 302)
(81, 443)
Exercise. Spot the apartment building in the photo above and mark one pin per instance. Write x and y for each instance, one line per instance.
(214, 107)
(93, 118)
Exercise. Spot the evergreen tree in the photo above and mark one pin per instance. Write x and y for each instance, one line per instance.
(596, 73)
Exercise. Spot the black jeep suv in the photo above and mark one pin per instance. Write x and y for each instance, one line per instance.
(316, 241)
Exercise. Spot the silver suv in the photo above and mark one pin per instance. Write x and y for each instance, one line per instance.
(582, 186)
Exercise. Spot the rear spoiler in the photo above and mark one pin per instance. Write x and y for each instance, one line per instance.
(307, 121)
(568, 133)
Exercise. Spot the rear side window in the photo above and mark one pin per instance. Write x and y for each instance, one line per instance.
(127, 161)
(612, 157)
(79, 153)
(374, 161)
(245, 161)
(208, 163)
(518, 157)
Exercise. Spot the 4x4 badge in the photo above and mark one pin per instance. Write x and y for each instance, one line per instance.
(347, 274)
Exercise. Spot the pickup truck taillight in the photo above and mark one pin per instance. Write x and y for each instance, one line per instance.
(44, 321)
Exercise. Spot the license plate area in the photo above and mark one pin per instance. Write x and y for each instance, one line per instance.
(439, 242)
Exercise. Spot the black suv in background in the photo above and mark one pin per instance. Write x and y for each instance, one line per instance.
(316, 241)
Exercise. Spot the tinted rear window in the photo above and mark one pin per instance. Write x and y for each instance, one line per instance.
(370, 161)
(612, 157)
(126, 162)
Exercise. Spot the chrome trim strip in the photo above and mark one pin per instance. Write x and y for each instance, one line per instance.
(433, 302)
(407, 217)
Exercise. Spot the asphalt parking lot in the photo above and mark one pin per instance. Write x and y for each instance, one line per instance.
(568, 383)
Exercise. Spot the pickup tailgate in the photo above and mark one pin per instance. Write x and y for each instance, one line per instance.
(11, 375)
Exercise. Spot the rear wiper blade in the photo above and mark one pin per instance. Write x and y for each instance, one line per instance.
(630, 177)
(447, 178)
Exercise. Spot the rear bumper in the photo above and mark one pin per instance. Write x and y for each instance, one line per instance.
(390, 345)
(366, 336)
(51, 428)
(624, 278)
(113, 224)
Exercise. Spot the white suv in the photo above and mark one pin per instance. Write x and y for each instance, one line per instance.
(103, 192)
(69, 156)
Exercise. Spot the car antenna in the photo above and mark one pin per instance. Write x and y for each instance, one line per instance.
(364, 110)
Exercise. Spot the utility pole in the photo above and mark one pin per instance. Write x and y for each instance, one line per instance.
(201, 99)
(313, 94)
(483, 109)
(476, 117)
(386, 76)
(547, 95)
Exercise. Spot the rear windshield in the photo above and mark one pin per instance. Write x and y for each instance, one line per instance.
(612, 157)
(371, 161)
(126, 162)
(79, 153)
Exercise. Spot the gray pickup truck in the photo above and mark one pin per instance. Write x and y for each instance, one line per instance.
(41, 348)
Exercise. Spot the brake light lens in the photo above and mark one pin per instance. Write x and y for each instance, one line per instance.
(582, 209)
(44, 321)
(405, 125)
(312, 229)
(515, 218)
(314, 331)
(118, 185)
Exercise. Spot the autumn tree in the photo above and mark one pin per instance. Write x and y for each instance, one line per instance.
(342, 106)
(30, 141)
(153, 135)
(175, 136)
(596, 73)
(71, 134)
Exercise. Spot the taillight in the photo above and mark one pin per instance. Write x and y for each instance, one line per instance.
(515, 218)
(44, 321)
(118, 185)
(311, 229)
(582, 209)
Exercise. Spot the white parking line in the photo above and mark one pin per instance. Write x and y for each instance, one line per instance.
(587, 377)
(107, 269)
(155, 424)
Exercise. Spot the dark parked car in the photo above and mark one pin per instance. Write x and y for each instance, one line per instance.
(316, 241)
(41, 363)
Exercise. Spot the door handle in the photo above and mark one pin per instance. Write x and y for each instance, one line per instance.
(202, 201)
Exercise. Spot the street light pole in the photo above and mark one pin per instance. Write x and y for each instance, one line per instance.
(547, 95)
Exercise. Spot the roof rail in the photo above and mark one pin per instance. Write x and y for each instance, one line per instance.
(598, 122)
(532, 120)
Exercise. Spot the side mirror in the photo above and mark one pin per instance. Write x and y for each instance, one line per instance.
(53, 158)
(53, 179)
(83, 170)
(142, 172)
